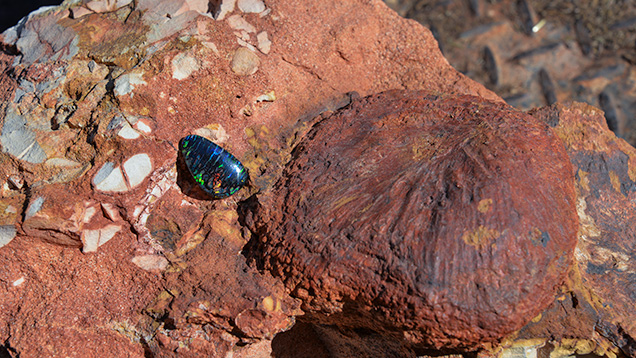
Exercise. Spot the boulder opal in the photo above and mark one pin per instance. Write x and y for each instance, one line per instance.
(216, 171)
(448, 222)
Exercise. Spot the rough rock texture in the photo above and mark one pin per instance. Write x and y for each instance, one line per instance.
(102, 239)
(448, 220)
(598, 307)
(105, 241)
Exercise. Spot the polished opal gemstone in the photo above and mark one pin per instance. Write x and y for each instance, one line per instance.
(217, 171)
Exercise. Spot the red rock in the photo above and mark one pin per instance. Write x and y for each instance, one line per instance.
(92, 91)
(601, 286)
(449, 221)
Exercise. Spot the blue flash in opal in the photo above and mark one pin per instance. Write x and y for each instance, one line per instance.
(216, 171)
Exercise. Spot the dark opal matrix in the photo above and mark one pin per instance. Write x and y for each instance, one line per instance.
(217, 171)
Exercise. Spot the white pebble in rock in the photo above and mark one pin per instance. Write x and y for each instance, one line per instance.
(183, 65)
(264, 44)
(7, 233)
(143, 125)
(254, 6)
(125, 83)
(18, 282)
(226, 7)
(92, 239)
(244, 62)
(238, 23)
(137, 168)
(62, 163)
(151, 262)
(127, 132)
(109, 178)
(20, 141)
(34, 206)
(107, 5)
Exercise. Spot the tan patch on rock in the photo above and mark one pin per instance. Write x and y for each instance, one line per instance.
(616, 182)
(484, 205)
(481, 237)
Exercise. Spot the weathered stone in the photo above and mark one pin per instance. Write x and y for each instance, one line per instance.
(245, 62)
(448, 221)
(600, 294)
(251, 5)
(98, 88)
(7, 233)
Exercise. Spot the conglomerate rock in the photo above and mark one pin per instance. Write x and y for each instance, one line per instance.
(448, 220)
(104, 239)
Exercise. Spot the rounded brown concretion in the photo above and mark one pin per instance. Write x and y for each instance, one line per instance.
(447, 221)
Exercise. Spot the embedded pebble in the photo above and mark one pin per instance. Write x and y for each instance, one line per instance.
(244, 62)
(127, 132)
(137, 168)
(211, 46)
(125, 83)
(254, 6)
(89, 212)
(106, 5)
(114, 181)
(80, 11)
(7, 233)
(264, 44)
(143, 125)
(61, 162)
(18, 140)
(267, 97)
(214, 132)
(34, 206)
(245, 44)
(103, 172)
(110, 212)
(238, 23)
(151, 262)
(16, 181)
(18, 282)
(183, 65)
(92, 239)
(227, 6)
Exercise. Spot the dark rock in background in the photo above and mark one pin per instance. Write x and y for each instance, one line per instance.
(540, 51)
(12, 11)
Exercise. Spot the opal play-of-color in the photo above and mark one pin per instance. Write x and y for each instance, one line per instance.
(217, 171)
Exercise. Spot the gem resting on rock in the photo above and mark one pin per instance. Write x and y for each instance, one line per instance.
(217, 171)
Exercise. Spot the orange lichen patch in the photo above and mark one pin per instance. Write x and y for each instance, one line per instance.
(615, 180)
(584, 181)
(268, 303)
(631, 165)
(481, 237)
(426, 147)
(223, 224)
(484, 205)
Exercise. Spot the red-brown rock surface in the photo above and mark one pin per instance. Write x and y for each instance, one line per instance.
(598, 304)
(446, 220)
(102, 242)
(98, 242)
